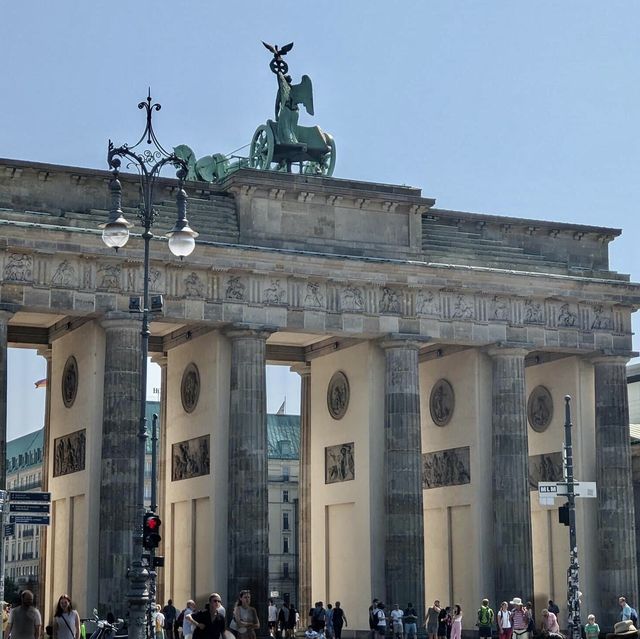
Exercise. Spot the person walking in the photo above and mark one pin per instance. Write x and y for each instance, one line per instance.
(25, 621)
(505, 629)
(158, 622)
(66, 621)
(328, 622)
(246, 617)
(209, 623)
(187, 626)
(170, 613)
(272, 617)
(373, 620)
(431, 619)
(519, 619)
(339, 620)
(485, 619)
(456, 622)
(381, 619)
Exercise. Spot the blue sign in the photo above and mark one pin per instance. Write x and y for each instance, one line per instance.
(29, 508)
(23, 496)
(9, 530)
(34, 520)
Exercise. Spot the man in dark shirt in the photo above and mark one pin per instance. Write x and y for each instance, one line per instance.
(553, 608)
(209, 623)
(169, 612)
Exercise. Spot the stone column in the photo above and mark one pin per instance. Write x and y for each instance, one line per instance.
(303, 602)
(118, 481)
(617, 568)
(404, 512)
(5, 316)
(248, 526)
(513, 553)
(44, 602)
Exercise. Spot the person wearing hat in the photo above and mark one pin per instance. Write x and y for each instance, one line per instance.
(624, 629)
(519, 619)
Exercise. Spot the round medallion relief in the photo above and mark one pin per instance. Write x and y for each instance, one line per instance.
(190, 388)
(338, 395)
(540, 409)
(70, 381)
(441, 402)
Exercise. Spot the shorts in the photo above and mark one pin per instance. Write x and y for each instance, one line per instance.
(484, 631)
(381, 630)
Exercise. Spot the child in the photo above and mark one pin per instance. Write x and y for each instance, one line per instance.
(311, 633)
(592, 629)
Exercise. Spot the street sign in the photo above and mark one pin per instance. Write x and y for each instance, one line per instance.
(29, 508)
(9, 530)
(549, 490)
(36, 520)
(3, 495)
(24, 496)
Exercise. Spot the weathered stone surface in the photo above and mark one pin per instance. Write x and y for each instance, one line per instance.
(513, 553)
(617, 570)
(119, 475)
(404, 546)
(248, 541)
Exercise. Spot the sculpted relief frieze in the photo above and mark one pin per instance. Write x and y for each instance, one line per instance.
(18, 267)
(64, 275)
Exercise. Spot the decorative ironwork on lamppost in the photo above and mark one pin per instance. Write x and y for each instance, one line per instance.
(148, 157)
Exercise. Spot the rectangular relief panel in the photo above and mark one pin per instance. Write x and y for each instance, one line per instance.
(69, 453)
(190, 458)
(339, 464)
(545, 467)
(442, 468)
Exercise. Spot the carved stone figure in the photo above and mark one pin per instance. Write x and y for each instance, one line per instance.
(545, 467)
(70, 381)
(533, 312)
(154, 279)
(540, 409)
(18, 268)
(339, 463)
(602, 318)
(441, 402)
(190, 388)
(274, 294)
(352, 299)
(446, 468)
(64, 275)
(190, 458)
(500, 308)
(69, 453)
(110, 275)
(338, 395)
(314, 296)
(567, 317)
(390, 302)
(427, 303)
(235, 289)
(193, 285)
(462, 308)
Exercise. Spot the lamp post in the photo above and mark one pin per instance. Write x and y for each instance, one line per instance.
(148, 157)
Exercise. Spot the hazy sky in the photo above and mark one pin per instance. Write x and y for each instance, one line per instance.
(528, 109)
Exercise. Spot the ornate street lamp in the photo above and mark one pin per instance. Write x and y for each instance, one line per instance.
(148, 157)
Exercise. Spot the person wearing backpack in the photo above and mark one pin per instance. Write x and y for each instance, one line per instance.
(627, 613)
(485, 619)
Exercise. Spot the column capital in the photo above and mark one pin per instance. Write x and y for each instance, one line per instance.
(611, 357)
(508, 349)
(5, 315)
(403, 340)
(46, 352)
(160, 359)
(260, 331)
(119, 319)
(304, 370)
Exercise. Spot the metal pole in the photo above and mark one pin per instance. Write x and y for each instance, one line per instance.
(3, 519)
(153, 573)
(573, 582)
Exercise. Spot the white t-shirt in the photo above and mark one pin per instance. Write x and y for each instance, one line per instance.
(396, 617)
(504, 618)
(273, 613)
(382, 619)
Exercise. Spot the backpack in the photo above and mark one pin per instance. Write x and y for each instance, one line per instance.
(485, 616)
(634, 617)
(373, 618)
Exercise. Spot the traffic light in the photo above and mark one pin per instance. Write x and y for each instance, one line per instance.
(563, 514)
(151, 531)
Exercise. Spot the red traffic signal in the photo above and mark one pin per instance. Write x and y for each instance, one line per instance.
(151, 531)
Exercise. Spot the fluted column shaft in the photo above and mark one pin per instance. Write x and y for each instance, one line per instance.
(617, 569)
(304, 603)
(404, 513)
(513, 553)
(248, 540)
(119, 467)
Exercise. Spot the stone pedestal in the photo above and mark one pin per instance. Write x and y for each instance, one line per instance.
(248, 498)
(304, 602)
(513, 553)
(118, 485)
(404, 515)
(617, 568)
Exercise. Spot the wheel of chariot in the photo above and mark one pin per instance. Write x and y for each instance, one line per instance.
(262, 147)
(326, 165)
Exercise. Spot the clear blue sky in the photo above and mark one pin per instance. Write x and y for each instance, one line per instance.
(523, 108)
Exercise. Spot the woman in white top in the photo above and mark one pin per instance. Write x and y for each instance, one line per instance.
(505, 628)
(66, 622)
